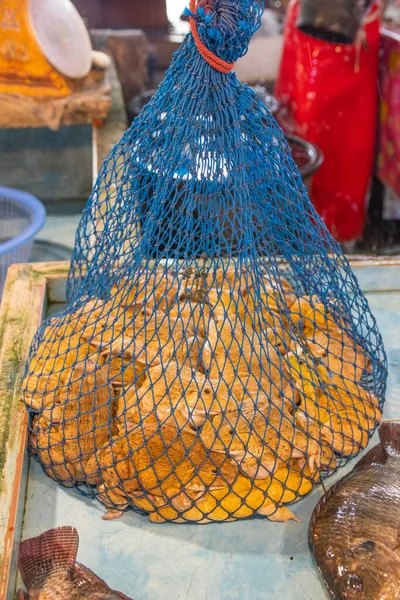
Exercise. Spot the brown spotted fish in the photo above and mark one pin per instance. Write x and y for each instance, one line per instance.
(355, 528)
(49, 571)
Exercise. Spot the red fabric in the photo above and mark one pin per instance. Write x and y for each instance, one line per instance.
(389, 139)
(329, 96)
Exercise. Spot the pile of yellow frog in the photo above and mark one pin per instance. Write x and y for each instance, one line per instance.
(196, 398)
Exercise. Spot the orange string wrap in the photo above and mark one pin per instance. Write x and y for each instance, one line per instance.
(213, 60)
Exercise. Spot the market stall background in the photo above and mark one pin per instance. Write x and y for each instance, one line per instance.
(199, 555)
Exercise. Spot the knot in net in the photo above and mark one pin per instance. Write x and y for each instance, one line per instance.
(225, 27)
(216, 359)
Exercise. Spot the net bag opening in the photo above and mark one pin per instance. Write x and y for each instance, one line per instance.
(217, 358)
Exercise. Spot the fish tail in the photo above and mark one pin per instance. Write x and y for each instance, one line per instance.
(389, 433)
(53, 551)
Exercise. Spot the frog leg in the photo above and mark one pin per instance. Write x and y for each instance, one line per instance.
(54, 414)
(183, 501)
(280, 515)
(112, 515)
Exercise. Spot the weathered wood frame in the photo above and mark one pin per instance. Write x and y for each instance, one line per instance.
(30, 289)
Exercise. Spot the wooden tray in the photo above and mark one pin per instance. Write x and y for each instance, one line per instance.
(249, 560)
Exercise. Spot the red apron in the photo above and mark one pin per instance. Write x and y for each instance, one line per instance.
(329, 97)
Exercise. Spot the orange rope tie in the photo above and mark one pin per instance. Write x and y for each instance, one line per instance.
(217, 63)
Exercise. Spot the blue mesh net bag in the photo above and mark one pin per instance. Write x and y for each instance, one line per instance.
(216, 359)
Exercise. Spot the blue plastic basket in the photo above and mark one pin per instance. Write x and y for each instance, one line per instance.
(22, 216)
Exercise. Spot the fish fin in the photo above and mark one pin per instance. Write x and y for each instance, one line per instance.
(53, 551)
(389, 433)
(86, 582)
(122, 596)
(21, 595)
(376, 456)
(364, 548)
